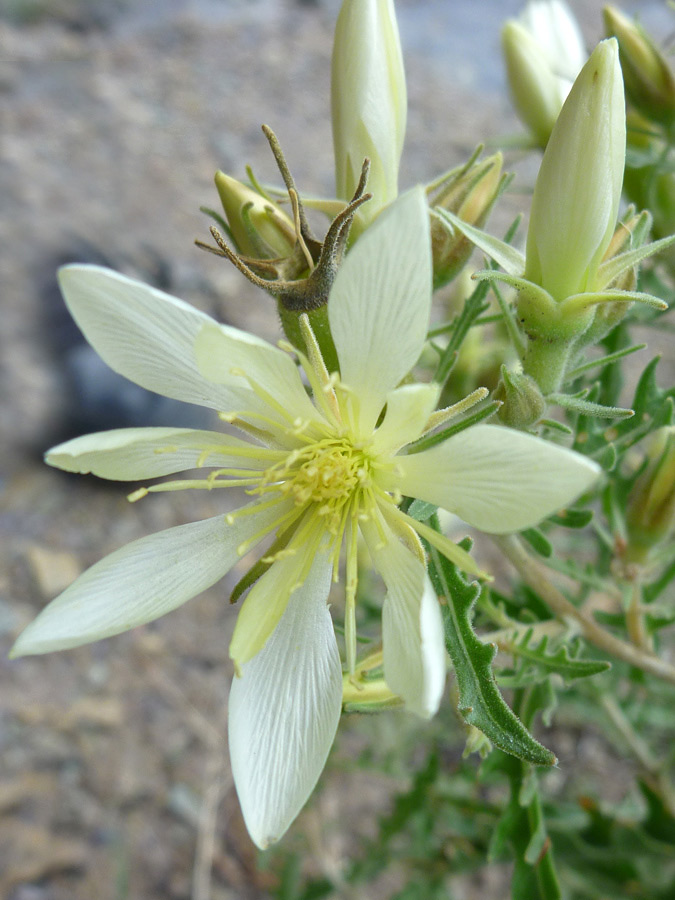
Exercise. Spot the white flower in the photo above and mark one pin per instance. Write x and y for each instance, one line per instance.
(318, 471)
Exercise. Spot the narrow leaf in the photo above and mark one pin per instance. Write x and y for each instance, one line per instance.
(611, 269)
(510, 259)
(480, 702)
(587, 408)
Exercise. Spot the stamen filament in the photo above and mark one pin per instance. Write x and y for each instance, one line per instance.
(351, 583)
(443, 415)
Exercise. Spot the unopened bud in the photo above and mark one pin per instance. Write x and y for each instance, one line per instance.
(650, 514)
(368, 101)
(259, 228)
(578, 189)
(535, 89)
(650, 84)
(522, 401)
(470, 193)
(544, 51)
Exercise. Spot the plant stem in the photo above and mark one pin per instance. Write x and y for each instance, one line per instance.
(538, 579)
(653, 768)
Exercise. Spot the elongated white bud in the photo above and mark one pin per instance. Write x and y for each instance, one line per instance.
(368, 101)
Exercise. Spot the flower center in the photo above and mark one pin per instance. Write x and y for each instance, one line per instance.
(328, 473)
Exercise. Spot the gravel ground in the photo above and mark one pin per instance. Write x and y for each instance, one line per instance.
(114, 778)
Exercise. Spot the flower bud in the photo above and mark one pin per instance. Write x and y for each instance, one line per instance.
(543, 51)
(368, 101)
(577, 193)
(469, 193)
(522, 402)
(259, 228)
(650, 84)
(535, 90)
(650, 514)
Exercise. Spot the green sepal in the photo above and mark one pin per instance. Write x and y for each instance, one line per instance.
(480, 702)
(510, 259)
(614, 267)
(576, 303)
(588, 408)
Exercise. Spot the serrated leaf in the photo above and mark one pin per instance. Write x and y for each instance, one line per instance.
(480, 702)
(559, 661)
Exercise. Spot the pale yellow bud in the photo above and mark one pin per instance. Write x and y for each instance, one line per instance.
(577, 193)
(368, 101)
(544, 52)
(650, 83)
(260, 229)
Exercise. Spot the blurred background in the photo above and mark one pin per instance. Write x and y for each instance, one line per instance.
(114, 116)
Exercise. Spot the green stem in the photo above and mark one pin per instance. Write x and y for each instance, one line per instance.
(537, 578)
(545, 360)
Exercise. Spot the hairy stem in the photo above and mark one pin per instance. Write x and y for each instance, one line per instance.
(538, 579)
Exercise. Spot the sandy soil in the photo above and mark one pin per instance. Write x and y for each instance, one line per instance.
(114, 779)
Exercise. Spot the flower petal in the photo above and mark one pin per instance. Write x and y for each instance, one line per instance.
(408, 411)
(223, 354)
(130, 454)
(412, 627)
(266, 601)
(141, 582)
(284, 711)
(380, 302)
(148, 336)
(496, 479)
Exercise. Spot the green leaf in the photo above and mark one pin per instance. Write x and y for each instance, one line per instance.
(538, 541)
(603, 361)
(474, 306)
(510, 259)
(559, 661)
(438, 437)
(611, 269)
(587, 408)
(657, 587)
(572, 518)
(421, 511)
(480, 702)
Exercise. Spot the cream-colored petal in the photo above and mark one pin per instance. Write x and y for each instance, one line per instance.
(412, 626)
(148, 336)
(379, 305)
(496, 479)
(224, 353)
(130, 454)
(141, 582)
(284, 711)
(407, 413)
(266, 601)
